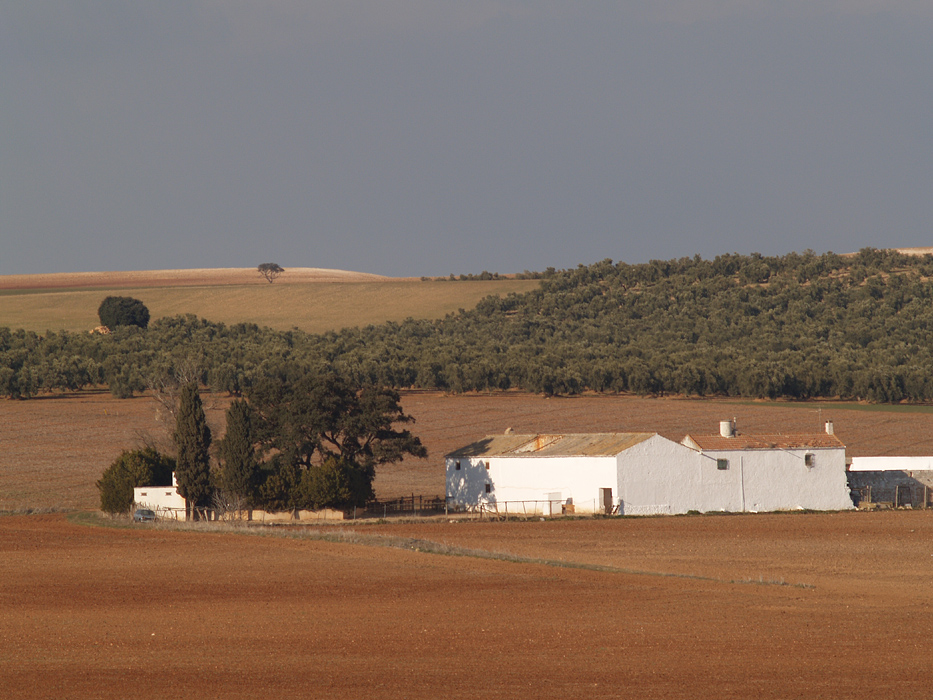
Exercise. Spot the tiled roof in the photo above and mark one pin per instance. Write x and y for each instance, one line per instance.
(569, 445)
(762, 442)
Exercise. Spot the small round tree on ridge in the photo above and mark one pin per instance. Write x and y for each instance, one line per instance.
(123, 311)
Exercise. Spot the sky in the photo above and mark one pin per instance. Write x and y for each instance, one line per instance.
(425, 137)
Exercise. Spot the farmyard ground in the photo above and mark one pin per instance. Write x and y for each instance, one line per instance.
(56, 446)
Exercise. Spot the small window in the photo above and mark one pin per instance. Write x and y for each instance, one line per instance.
(142, 493)
(810, 460)
(488, 488)
(487, 466)
(458, 465)
(722, 464)
(168, 493)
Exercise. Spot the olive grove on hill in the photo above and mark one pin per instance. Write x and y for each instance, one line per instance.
(798, 326)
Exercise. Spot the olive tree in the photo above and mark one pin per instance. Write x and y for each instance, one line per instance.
(326, 437)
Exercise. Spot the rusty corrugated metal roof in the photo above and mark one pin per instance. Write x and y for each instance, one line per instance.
(763, 442)
(569, 445)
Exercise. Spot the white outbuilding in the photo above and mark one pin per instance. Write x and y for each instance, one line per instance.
(164, 501)
(647, 474)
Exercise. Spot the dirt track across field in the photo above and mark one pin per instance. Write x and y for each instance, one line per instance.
(89, 612)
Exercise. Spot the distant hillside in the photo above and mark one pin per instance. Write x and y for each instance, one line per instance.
(795, 326)
(179, 278)
(311, 299)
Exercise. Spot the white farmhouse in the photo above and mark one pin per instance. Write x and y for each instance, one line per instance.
(778, 472)
(625, 473)
(647, 474)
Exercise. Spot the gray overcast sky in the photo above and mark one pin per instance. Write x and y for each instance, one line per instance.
(422, 137)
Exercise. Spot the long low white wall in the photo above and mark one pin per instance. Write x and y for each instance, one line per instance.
(888, 464)
(286, 516)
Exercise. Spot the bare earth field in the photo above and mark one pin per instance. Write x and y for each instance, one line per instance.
(91, 612)
(53, 448)
(831, 605)
(311, 299)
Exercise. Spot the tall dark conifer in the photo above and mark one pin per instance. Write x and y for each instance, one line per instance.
(193, 440)
(237, 454)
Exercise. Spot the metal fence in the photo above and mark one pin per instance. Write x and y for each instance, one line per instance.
(893, 496)
(404, 505)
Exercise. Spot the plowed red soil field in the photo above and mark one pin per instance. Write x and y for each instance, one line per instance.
(833, 605)
(688, 607)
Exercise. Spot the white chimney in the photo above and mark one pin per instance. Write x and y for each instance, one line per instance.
(727, 428)
(829, 427)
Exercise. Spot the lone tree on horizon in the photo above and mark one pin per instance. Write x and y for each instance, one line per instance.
(270, 271)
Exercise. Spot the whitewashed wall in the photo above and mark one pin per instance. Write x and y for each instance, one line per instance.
(659, 476)
(522, 483)
(780, 480)
(164, 500)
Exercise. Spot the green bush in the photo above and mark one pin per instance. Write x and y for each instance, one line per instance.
(336, 483)
(145, 467)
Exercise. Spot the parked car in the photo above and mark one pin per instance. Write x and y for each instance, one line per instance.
(143, 515)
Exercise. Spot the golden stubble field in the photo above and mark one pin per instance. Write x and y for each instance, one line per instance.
(311, 299)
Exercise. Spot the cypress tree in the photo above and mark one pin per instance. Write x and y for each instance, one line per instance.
(237, 454)
(193, 440)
